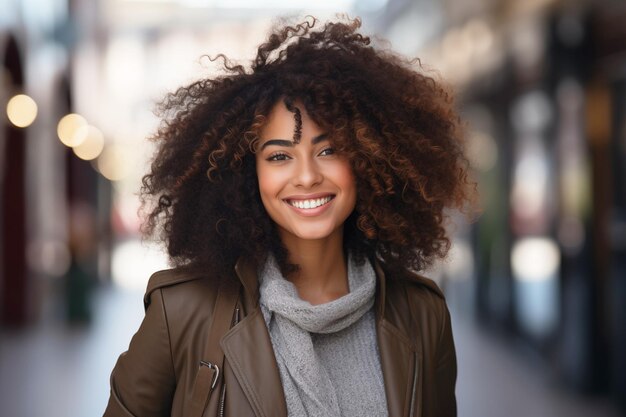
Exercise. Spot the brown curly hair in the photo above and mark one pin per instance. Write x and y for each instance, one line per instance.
(397, 127)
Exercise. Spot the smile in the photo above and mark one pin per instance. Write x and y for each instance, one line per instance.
(310, 204)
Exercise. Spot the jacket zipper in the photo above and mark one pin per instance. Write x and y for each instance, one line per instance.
(223, 392)
(414, 388)
(222, 400)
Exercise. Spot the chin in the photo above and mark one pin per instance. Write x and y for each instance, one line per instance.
(311, 234)
(315, 235)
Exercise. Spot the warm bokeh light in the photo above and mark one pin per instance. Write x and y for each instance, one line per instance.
(68, 127)
(92, 144)
(21, 110)
(535, 259)
(114, 162)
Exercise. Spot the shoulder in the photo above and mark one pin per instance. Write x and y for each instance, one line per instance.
(413, 299)
(423, 295)
(413, 284)
(181, 283)
(184, 298)
(418, 283)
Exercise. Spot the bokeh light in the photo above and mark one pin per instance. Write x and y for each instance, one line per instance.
(91, 144)
(535, 259)
(21, 110)
(68, 127)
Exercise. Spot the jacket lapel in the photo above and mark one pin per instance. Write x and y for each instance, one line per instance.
(400, 364)
(399, 358)
(248, 349)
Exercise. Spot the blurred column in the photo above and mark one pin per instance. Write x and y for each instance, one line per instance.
(588, 49)
(607, 123)
(82, 204)
(491, 156)
(617, 234)
(14, 283)
(571, 60)
(88, 194)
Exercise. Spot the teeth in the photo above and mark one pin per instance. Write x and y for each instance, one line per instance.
(310, 204)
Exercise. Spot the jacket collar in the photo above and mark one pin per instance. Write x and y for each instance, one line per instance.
(400, 358)
(248, 348)
(246, 270)
(381, 290)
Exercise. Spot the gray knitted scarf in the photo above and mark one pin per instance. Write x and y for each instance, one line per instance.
(291, 320)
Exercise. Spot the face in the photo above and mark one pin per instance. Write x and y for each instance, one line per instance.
(307, 189)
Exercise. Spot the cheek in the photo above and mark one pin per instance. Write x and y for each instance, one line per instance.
(346, 179)
(269, 182)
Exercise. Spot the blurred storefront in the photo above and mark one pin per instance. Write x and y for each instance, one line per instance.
(542, 89)
(55, 205)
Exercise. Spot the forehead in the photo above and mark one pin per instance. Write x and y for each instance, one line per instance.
(280, 122)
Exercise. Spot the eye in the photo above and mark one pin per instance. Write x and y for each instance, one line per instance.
(278, 156)
(327, 151)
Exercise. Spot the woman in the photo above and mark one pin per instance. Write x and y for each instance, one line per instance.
(296, 199)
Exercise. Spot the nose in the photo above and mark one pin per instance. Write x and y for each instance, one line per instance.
(308, 173)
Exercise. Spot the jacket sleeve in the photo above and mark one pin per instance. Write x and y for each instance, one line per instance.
(143, 379)
(445, 372)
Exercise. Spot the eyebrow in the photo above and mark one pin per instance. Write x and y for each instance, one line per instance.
(283, 142)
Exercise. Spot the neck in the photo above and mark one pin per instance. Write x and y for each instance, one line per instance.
(323, 273)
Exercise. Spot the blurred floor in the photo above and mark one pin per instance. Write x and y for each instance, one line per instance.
(54, 371)
(497, 378)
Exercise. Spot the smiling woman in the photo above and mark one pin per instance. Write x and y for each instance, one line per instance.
(308, 191)
(298, 199)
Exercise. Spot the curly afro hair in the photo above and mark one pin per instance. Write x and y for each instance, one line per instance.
(396, 125)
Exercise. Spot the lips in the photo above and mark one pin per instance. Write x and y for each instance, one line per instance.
(309, 202)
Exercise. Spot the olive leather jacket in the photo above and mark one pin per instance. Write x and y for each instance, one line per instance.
(155, 377)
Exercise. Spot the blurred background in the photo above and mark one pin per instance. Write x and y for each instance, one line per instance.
(536, 285)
